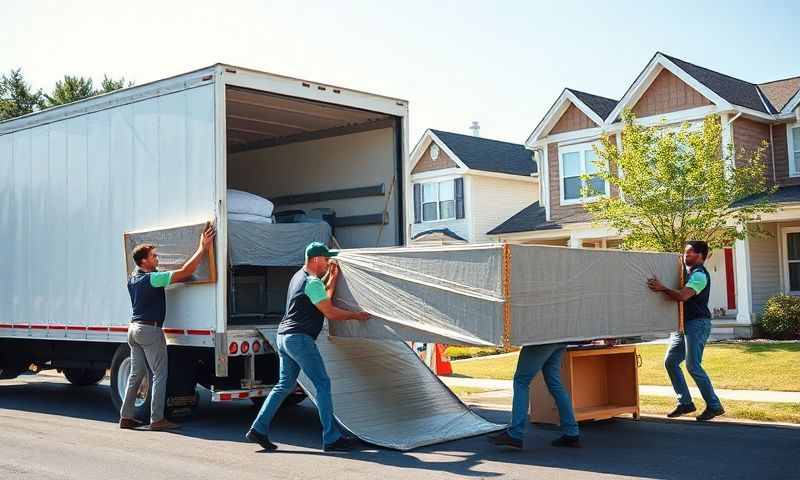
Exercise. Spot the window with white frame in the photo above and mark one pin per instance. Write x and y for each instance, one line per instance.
(793, 135)
(438, 201)
(577, 160)
(792, 259)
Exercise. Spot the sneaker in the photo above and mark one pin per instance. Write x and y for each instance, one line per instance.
(162, 425)
(255, 437)
(567, 441)
(681, 410)
(344, 444)
(129, 423)
(710, 413)
(503, 439)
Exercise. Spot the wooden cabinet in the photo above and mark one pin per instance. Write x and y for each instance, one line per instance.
(603, 382)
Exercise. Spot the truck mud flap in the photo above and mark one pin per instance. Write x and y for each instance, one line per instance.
(384, 394)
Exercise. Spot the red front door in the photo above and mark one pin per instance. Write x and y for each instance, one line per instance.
(730, 286)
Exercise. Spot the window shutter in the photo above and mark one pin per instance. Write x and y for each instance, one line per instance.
(459, 190)
(417, 203)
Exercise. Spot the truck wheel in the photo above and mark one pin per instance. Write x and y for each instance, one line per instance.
(84, 377)
(120, 369)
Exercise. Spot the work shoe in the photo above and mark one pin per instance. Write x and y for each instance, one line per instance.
(161, 425)
(129, 423)
(263, 440)
(503, 439)
(567, 441)
(344, 444)
(710, 413)
(681, 410)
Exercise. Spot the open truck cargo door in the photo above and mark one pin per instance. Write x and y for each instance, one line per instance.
(383, 393)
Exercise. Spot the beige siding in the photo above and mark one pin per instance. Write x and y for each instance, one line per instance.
(494, 200)
(765, 270)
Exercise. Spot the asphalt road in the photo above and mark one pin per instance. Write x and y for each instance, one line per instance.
(52, 430)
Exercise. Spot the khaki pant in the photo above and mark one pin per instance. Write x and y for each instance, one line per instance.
(148, 353)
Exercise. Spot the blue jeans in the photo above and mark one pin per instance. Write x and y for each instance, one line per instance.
(689, 346)
(296, 352)
(546, 358)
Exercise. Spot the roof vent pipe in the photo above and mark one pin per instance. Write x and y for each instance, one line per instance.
(476, 129)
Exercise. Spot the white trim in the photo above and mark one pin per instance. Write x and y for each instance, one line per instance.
(504, 176)
(792, 104)
(791, 148)
(576, 148)
(743, 281)
(585, 135)
(422, 145)
(671, 118)
(784, 234)
(645, 79)
(546, 182)
(557, 110)
(447, 150)
(445, 172)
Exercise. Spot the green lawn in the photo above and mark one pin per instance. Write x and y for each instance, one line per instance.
(759, 411)
(739, 366)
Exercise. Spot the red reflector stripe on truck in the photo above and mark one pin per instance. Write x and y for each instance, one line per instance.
(173, 331)
(38, 327)
(225, 396)
(98, 329)
(199, 332)
(119, 329)
(72, 327)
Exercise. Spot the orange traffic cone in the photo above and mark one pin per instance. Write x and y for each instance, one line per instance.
(441, 362)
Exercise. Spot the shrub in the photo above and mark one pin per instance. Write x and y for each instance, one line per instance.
(780, 318)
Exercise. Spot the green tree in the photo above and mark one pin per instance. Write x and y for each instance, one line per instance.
(109, 84)
(679, 185)
(70, 89)
(17, 97)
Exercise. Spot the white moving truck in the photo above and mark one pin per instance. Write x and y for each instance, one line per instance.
(74, 178)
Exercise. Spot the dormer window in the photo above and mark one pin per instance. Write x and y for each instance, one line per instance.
(575, 161)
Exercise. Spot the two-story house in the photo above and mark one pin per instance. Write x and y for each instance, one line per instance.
(674, 91)
(464, 185)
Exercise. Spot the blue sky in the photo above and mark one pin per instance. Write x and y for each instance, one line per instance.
(501, 63)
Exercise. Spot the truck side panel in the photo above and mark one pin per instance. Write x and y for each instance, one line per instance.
(68, 191)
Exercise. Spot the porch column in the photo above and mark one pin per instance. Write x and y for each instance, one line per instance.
(574, 241)
(744, 291)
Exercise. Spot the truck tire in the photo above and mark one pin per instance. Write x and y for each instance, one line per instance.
(84, 377)
(120, 369)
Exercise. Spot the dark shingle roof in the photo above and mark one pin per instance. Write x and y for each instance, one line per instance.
(489, 155)
(789, 194)
(735, 91)
(443, 231)
(528, 219)
(780, 92)
(602, 106)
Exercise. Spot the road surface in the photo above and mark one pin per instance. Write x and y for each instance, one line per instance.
(52, 430)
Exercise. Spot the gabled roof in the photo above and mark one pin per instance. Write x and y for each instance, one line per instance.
(489, 155)
(780, 92)
(528, 219)
(734, 90)
(446, 232)
(596, 109)
(602, 106)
